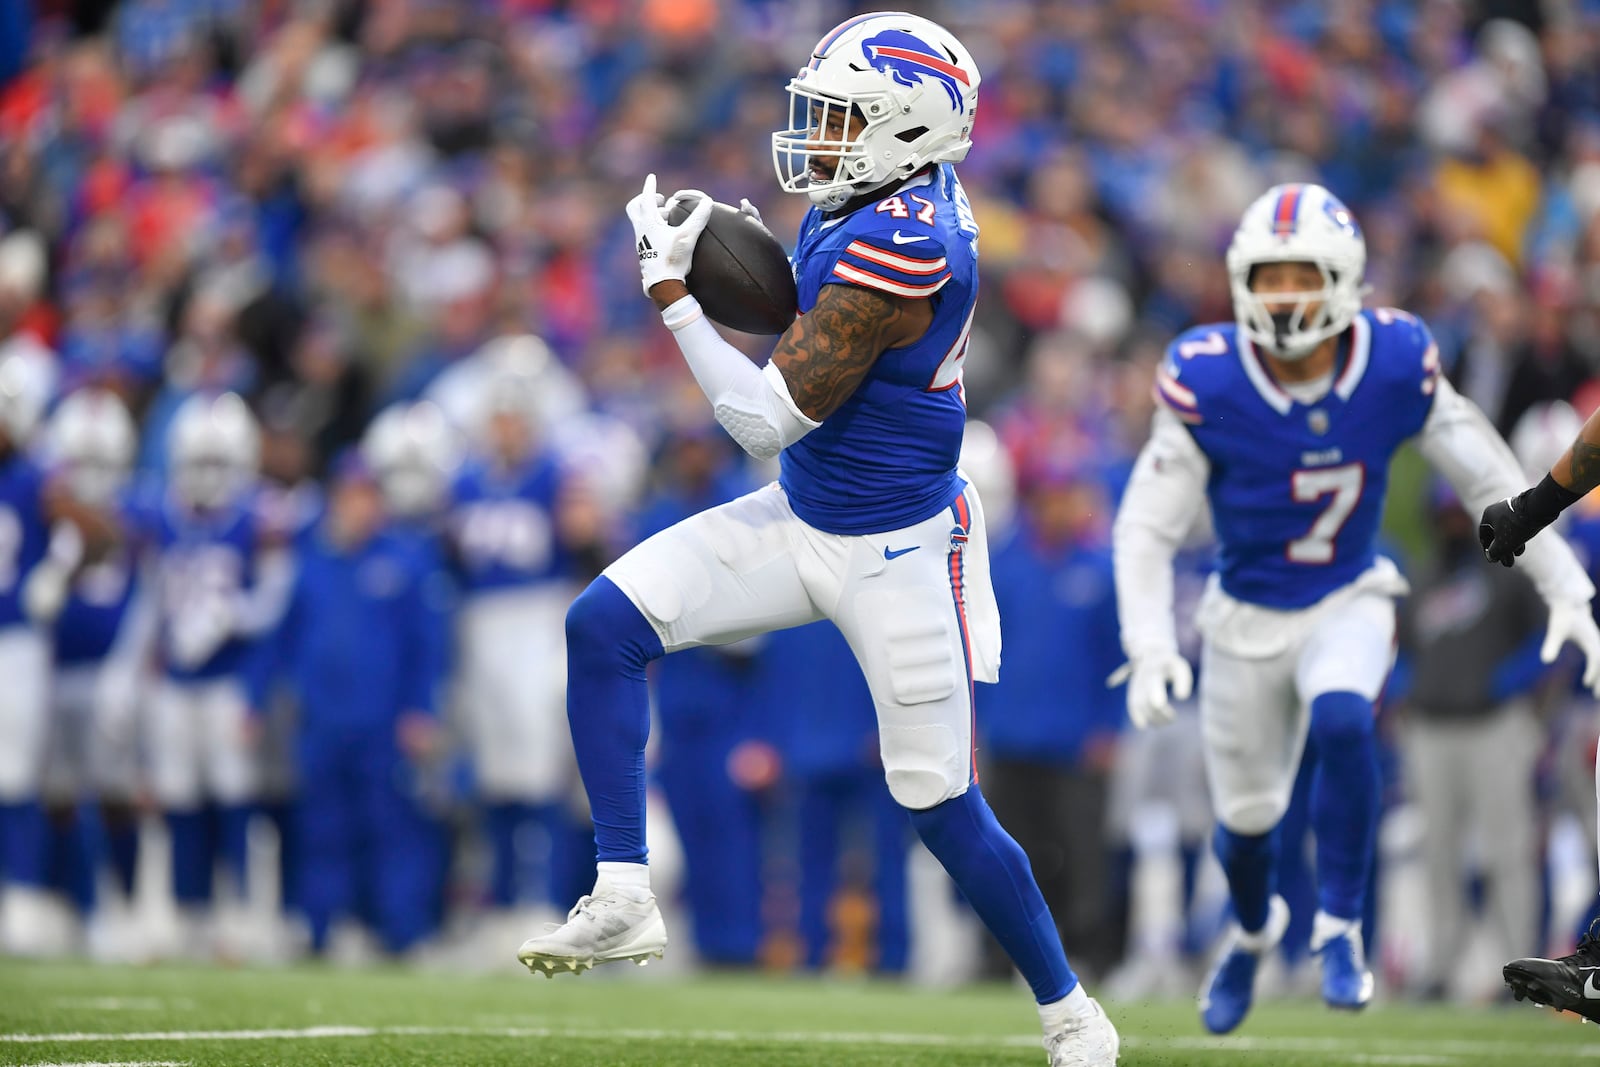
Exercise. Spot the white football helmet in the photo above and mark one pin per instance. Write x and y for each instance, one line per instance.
(909, 80)
(213, 449)
(1301, 224)
(1542, 434)
(92, 437)
(413, 450)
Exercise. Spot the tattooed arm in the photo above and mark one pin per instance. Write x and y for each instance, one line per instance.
(827, 351)
(1578, 469)
(819, 361)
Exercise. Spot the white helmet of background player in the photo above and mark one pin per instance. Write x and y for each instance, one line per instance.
(413, 450)
(1542, 434)
(213, 449)
(92, 437)
(911, 82)
(1302, 224)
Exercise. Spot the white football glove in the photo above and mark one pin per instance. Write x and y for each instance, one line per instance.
(1570, 620)
(664, 251)
(747, 208)
(1149, 679)
(199, 631)
(45, 591)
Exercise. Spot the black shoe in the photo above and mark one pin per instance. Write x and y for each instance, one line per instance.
(1571, 983)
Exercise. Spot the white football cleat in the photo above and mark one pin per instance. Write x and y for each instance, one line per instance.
(603, 927)
(1090, 1042)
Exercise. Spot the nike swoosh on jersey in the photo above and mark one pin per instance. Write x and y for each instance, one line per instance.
(901, 239)
(889, 553)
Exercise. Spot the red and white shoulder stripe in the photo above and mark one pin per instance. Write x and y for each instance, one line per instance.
(917, 272)
(1176, 398)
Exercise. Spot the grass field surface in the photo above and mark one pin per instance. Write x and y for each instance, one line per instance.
(80, 1014)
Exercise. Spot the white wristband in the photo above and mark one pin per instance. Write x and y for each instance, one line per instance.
(681, 312)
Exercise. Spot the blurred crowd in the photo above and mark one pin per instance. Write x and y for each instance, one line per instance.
(394, 230)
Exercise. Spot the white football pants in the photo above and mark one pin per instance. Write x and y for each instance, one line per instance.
(513, 682)
(24, 711)
(916, 606)
(197, 745)
(1260, 670)
(87, 754)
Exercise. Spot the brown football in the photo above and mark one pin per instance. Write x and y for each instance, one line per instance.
(740, 273)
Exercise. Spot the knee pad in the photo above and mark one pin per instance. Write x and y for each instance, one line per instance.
(926, 768)
(604, 627)
(1252, 816)
(1343, 716)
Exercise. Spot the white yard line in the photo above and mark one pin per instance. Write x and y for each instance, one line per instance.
(1416, 1052)
(114, 1063)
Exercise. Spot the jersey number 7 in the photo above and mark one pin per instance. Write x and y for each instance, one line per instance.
(1307, 486)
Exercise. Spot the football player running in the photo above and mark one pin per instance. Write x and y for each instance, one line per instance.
(1285, 421)
(870, 524)
(1571, 983)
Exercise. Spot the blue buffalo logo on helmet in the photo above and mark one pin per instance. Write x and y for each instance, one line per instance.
(908, 60)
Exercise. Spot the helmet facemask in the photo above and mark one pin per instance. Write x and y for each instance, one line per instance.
(1305, 318)
(819, 128)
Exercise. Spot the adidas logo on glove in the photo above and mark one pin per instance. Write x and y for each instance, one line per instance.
(645, 250)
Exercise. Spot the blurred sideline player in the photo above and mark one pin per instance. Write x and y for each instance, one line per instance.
(1286, 421)
(92, 752)
(31, 506)
(830, 754)
(414, 453)
(356, 642)
(221, 575)
(701, 747)
(519, 524)
(1571, 983)
(870, 525)
(1050, 726)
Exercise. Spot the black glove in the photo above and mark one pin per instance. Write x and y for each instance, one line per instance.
(1508, 526)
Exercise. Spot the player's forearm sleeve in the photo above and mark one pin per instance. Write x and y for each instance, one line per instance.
(752, 404)
(1164, 494)
(258, 610)
(1461, 444)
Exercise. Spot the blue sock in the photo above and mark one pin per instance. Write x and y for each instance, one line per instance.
(1247, 860)
(191, 856)
(509, 826)
(122, 846)
(993, 873)
(23, 843)
(608, 706)
(74, 851)
(233, 842)
(1344, 800)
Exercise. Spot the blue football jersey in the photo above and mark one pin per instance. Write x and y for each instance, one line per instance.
(886, 459)
(24, 531)
(1297, 489)
(89, 620)
(504, 525)
(203, 558)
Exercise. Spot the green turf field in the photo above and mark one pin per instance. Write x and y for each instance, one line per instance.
(80, 1014)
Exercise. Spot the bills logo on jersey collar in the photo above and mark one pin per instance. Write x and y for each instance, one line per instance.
(908, 60)
(1317, 420)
